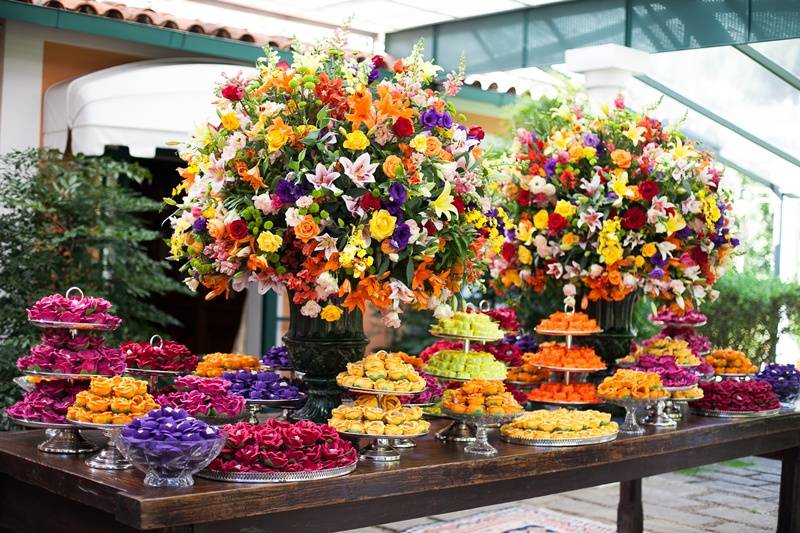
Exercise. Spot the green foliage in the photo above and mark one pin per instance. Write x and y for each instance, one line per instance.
(71, 221)
(748, 314)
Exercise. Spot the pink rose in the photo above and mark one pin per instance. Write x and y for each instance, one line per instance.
(247, 454)
(274, 460)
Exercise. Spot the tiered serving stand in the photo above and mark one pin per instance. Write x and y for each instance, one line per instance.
(63, 438)
(382, 448)
(154, 375)
(657, 415)
(630, 426)
(460, 430)
(109, 458)
(254, 407)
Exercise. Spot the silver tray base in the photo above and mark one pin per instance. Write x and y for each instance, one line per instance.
(558, 443)
(276, 477)
(733, 414)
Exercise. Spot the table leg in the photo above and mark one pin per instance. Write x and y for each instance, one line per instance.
(630, 518)
(789, 503)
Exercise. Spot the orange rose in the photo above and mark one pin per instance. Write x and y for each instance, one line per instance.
(307, 229)
(102, 418)
(141, 386)
(432, 145)
(98, 404)
(138, 404)
(391, 165)
(81, 398)
(621, 158)
(120, 418)
(101, 386)
(120, 405)
(125, 389)
(216, 228)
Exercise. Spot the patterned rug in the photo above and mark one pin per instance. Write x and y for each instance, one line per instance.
(516, 519)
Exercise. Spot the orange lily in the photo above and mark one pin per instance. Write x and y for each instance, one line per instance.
(363, 113)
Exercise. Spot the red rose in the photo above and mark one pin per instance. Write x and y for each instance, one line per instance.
(233, 92)
(458, 203)
(369, 202)
(328, 433)
(431, 228)
(308, 431)
(247, 455)
(378, 62)
(524, 198)
(268, 437)
(634, 218)
(509, 251)
(403, 127)
(276, 460)
(556, 222)
(648, 189)
(313, 454)
(475, 132)
(238, 435)
(238, 229)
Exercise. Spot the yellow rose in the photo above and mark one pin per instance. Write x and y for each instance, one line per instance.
(269, 242)
(209, 212)
(330, 313)
(649, 249)
(230, 121)
(524, 230)
(419, 143)
(612, 254)
(569, 240)
(278, 134)
(524, 255)
(540, 219)
(565, 209)
(381, 225)
(356, 140)
(639, 261)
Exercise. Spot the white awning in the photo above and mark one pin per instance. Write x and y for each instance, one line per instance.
(143, 105)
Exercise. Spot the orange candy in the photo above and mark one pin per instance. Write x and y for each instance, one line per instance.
(112, 400)
(632, 384)
(563, 392)
(215, 364)
(479, 398)
(561, 321)
(412, 360)
(556, 354)
(527, 373)
(730, 361)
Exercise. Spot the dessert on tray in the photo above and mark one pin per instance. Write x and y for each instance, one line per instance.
(528, 373)
(729, 395)
(115, 400)
(381, 371)
(459, 365)
(480, 398)
(730, 362)
(568, 322)
(671, 374)
(560, 424)
(375, 418)
(631, 384)
(565, 393)
(464, 324)
(677, 349)
(214, 365)
(557, 355)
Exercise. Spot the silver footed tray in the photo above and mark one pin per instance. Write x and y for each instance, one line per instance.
(556, 443)
(277, 477)
(733, 414)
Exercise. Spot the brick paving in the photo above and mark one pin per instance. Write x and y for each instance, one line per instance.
(731, 497)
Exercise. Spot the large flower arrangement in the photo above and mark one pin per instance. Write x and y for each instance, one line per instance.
(344, 186)
(610, 202)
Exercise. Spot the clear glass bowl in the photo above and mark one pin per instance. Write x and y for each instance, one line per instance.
(170, 464)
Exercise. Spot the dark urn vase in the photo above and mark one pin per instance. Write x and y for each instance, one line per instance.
(320, 350)
(616, 320)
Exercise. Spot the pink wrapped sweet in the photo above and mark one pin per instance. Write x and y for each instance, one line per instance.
(204, 396)
(84, 310)
(102, 360)
(48, 402)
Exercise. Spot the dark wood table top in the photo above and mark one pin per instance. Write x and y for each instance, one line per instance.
(433, 477)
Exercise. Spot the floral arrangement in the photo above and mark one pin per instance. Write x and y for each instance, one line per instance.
(46, 358)
(276, 446)
(784, 380)
(168, 355)
(116, 400)
(689, 318)
(731, 395)
(262, 385)
(204, 396)
(671, 374)
(79, 309)
(344, 186)
(214, 365)
(48, 401)
(277, 357)
(611, 202)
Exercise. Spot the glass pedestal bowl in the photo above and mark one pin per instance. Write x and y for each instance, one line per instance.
(170, 463)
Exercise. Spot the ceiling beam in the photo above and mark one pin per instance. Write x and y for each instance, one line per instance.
(770, 65)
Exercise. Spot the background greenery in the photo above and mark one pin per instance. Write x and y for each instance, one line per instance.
(72, 221)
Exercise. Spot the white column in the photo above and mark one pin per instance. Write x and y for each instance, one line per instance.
(607, 68)
(21, 90)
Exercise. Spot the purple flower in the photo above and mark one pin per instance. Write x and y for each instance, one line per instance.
(446, 120)
(684, 233)
(550, 167)
(398, 193)
(199, 225)
(590, 139)
(656, 273)
(658, 261)
(373, 74)
(289, 192)
(400, 237)
(429, 118)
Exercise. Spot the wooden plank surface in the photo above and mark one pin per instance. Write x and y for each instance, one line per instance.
(432, 478)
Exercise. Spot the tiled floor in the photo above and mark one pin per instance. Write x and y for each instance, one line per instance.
(735, 496)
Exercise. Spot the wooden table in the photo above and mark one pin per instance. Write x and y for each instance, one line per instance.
(44, 492)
